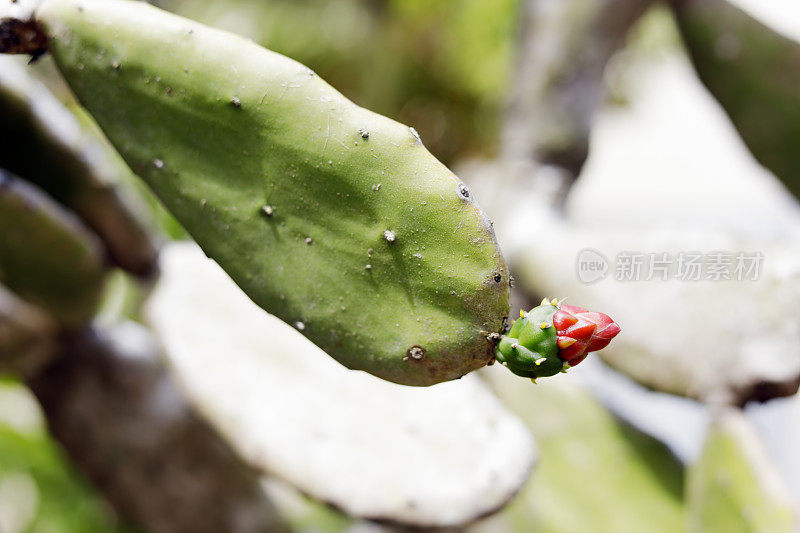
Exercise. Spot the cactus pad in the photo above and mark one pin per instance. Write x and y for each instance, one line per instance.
(331, 217)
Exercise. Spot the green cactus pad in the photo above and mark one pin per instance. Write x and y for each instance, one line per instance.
(734, 486)
(44, 144)
(333, 218)
(752, 72)
(530, 350)
(579, 443)
(46, 255)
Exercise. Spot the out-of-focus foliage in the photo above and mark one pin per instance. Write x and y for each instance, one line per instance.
(45, 144)
(442, 67)
(595, 473)
(46, 255)
(729, 486)
(39, 491)
(754, 73)
(303, 513)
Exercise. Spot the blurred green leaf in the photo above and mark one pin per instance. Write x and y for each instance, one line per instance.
(47, 256)
(44, 144)
(35, 478)
(595, 473)
(753, 72)
(732, 488)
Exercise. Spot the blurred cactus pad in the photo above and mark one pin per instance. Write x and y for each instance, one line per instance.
(333, 218)
(752, 72)
(46, 255)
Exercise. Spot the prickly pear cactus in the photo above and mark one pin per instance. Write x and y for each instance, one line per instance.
(752, 72)
(44, 144)
(553, 337)
(47, 256)
(329, 216)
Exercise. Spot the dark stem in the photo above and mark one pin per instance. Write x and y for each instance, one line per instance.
(22, 37)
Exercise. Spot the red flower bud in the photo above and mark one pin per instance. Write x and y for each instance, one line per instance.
(581, 331)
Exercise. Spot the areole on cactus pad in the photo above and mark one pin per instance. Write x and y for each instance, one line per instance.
(553, 337)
